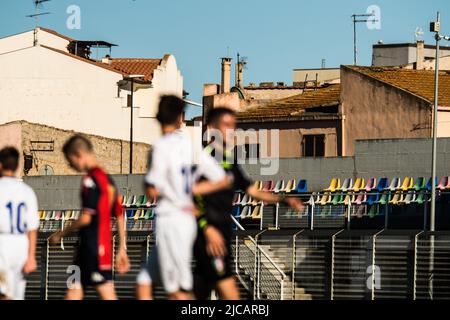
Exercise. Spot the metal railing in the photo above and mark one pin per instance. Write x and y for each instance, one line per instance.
(251, 260)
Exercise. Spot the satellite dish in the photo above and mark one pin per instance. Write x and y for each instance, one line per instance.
(46, 170)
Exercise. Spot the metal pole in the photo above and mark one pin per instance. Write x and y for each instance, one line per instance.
(433, 159)
(354, 40)
(131, 127)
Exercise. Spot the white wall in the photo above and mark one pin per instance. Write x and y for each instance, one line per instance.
(42, 86)
(25, 40)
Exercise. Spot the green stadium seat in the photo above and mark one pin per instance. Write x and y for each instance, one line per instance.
(420, 184)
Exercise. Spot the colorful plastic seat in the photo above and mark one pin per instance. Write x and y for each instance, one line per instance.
(347, 184)
(335, 184)
(256, 213)
(372, 198)
(420, 184)
(420, 199)
(407, 184)
(397, 198)
(410, 197)
(326, 198)
(246, 212)
(362, 197)
(394, 185)
(442, 183)
(358, 185)
(429, 183)
(302, 186)
(337, 198)
(279, 186)
(383, 184)
(290, 186)
(371, 184)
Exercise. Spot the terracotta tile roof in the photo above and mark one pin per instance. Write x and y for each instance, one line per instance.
(56, 34)
(136, 66)
(295, 106)
(417, 82)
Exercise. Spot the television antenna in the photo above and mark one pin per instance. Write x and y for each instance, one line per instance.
(38, 6)
(358, 18)
(241, 64)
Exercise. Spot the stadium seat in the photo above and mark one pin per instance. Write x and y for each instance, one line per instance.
(410, 197)
(67, 214)
(372, 198)
(326, 198)
(245, 200)
(279, 186)
(256, 213)
(141, 201)
(246, 212)
(383, 183)
(290, 186)
(266, 186)
(41, 215)
(407, 184)
(420, 199)
(130, 201)
(429, 183)
(397, 198)
(236, 198)
(335, 184)
(420, 184)
(347, 184)
(371, 184)
(302, 186)
(383, 199)
(337, 198)
(358, 185)
(394, 185)
(347, 199)
(362, 197)
(372, 212)
(442, 183)
(447, 186)
(124, 201)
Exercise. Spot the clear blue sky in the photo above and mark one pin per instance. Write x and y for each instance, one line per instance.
(276, 36)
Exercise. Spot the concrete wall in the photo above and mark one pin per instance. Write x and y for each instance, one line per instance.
(374, 109)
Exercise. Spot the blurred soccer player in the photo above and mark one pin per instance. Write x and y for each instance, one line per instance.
(100, 202)
(213, 244)
(19, 223)
(173, 170)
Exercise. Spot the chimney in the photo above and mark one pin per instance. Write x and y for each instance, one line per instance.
(107, 59)
(420, 54)
(226, 74)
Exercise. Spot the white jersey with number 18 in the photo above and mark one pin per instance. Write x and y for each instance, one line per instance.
(174, 167)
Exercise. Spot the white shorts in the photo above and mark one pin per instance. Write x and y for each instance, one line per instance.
(170, 261)
(13, 255)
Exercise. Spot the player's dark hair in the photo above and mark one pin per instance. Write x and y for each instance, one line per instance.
(215, 115)
(75, 144)
(170, 109)
(9, 158)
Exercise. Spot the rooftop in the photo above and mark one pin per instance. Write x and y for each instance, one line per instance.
(417, 82)
(296, 106)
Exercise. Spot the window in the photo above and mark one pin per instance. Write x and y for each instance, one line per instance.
(313, 145)
(246, 152)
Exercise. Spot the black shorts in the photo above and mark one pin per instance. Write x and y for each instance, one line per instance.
(90, 273)
(208, 271)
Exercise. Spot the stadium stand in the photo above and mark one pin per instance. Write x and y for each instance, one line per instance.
(348, 234)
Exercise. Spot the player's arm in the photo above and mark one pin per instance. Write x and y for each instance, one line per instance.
(269, 197)
(122, 261)
(30, 264)
(32, 221)
(215, 175)
(83, 221)
(206, 187)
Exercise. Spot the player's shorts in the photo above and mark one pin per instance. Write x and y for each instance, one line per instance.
(13, 255)
(208, 270)
(170, 261)
(90, 272)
